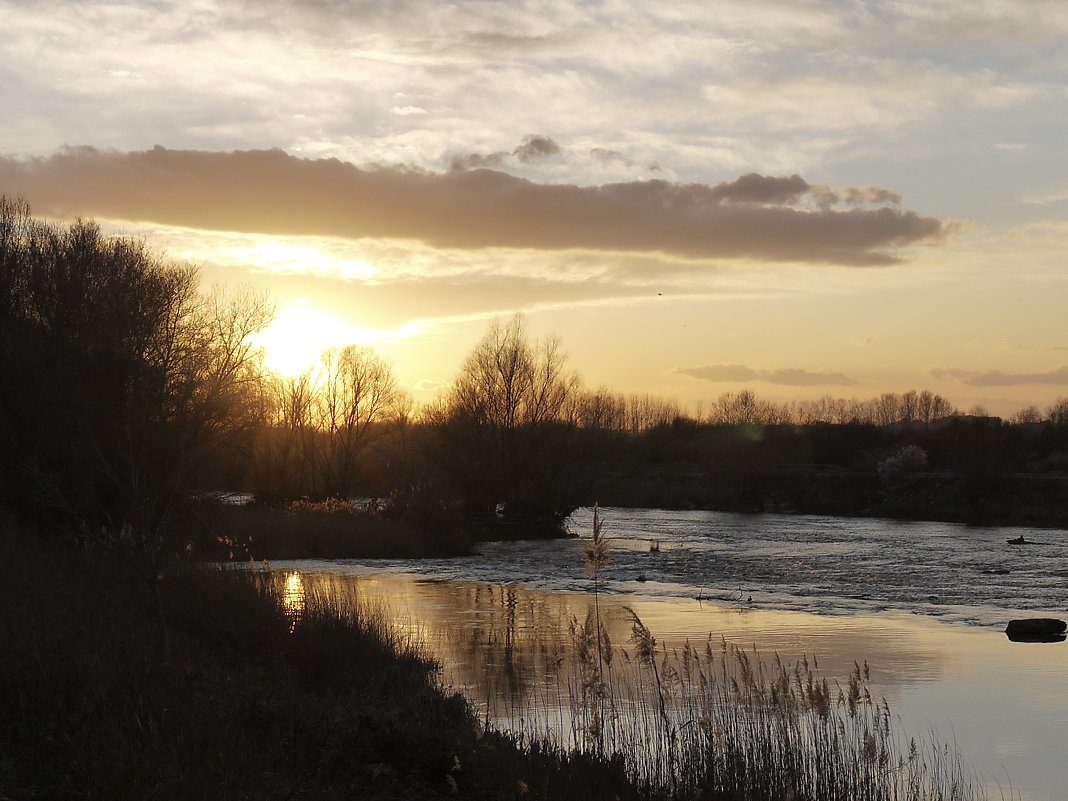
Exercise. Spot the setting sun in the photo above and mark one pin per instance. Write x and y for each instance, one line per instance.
(295, 340)
(299, 335)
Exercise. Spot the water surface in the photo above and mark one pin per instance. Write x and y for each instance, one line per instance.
(924, 604)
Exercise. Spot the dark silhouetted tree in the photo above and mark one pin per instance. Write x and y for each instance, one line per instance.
(283, 464)
(1029, 415)
(1057, 414)
(120, 378)
(505, 438)
(357, 393)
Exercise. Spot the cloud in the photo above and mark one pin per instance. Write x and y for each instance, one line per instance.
(533, 148)
(476, 161)
(169, 69)
(996, 378)
(732, 373)
(1050, 198)
(606, 156)
(753, 188)
(857, 93)
(428, 385)
(860, 195)
(269, 191)
(430, 298)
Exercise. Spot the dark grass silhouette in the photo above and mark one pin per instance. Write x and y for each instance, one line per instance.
(330, 529)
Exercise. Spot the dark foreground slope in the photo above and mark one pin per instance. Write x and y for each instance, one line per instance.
(249, 704)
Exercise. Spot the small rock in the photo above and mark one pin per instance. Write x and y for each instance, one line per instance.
(1036, 629)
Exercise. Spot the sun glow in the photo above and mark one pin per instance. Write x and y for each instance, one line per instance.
(294, 342)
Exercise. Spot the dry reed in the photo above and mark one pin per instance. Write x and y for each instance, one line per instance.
(714, 721)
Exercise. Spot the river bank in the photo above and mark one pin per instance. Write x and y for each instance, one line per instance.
(220, 531)
(979, 498)
(249, 703)
(507, 647)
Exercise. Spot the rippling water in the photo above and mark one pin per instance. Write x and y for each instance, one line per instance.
(824, 565)
(923, 603)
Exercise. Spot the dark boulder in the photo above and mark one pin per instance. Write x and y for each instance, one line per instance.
(1036, 629)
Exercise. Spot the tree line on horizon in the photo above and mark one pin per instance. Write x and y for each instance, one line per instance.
(132, 391)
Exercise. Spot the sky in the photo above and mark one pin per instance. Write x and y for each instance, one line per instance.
(797, 198)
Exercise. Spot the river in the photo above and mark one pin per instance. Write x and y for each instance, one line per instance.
(924, 604)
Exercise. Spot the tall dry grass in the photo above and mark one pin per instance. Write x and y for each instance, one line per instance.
(264, 697)
(713, 721)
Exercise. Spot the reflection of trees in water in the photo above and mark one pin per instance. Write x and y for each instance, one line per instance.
(496, 640)
(507, 650)
(691, 717)
(679, 714)
(503, 645)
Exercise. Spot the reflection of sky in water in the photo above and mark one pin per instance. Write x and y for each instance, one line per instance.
(496, 619)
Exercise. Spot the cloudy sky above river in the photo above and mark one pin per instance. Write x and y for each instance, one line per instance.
(799, 198)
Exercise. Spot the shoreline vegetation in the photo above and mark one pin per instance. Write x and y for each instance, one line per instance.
(262, 697)
(250, 703)
(223, 531)
(1020, 499)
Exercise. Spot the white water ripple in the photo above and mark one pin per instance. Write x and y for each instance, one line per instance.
(824, 565)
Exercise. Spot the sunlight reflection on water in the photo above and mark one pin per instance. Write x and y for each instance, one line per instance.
(293, 597)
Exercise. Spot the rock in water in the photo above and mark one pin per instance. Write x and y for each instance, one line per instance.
(1036, 629)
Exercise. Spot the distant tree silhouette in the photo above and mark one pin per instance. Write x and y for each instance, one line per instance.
(505, 440)
(283, 462)
(1027, 416)
(600, 410)
(933, 407)
(1058, 412)
(322, 425)
(357, 392)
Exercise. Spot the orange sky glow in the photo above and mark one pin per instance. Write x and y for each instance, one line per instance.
(797, 199)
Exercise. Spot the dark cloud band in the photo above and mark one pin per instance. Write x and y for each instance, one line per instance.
(739, 373)
(996, 378)
(272, 192)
